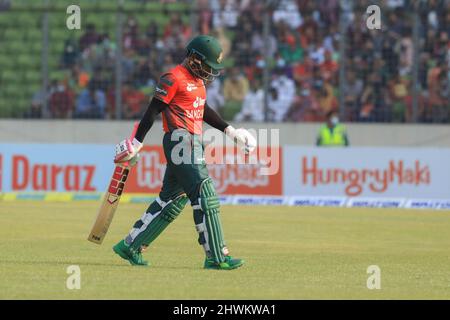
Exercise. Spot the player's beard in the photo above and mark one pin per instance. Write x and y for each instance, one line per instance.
(201, 70)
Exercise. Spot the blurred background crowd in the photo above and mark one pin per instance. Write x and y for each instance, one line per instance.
(287, 60)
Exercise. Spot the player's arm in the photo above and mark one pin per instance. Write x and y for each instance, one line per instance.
(211, 117)
(164, 93)
(154, 108)
(240, 136)
(128, 148)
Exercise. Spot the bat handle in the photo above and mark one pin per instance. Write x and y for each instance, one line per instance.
(133, 133)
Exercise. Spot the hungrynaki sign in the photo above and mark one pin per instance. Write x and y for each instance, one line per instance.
(367, 172)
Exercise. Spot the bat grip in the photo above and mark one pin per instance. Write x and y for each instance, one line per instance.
(133, 133)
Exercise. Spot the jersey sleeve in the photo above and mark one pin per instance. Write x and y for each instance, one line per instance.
(166, 88)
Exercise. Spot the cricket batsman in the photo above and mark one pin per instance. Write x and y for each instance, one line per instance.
(181, 98)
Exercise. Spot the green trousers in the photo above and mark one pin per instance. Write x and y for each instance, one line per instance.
(185, 176)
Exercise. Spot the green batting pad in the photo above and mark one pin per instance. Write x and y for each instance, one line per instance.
(210, 204)
(154, 223)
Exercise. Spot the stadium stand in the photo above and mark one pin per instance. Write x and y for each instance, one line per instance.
(302, 47)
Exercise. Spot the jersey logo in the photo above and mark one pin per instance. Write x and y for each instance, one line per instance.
(195, 114)
(191, 87)
(220, 57)
(198, 102)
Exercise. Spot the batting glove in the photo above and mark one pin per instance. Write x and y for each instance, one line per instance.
(242, 138)
(127, 149)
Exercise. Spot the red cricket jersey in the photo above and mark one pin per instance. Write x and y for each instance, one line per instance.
(186, 97)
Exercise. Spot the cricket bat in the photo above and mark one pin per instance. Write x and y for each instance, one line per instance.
(110, 200)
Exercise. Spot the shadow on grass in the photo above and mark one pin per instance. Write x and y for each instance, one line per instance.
(48, 262)
(88, 263)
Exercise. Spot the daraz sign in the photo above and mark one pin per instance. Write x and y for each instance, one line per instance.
(49, 176)
(55, 168)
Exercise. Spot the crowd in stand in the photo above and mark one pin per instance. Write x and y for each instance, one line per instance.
(304, 62)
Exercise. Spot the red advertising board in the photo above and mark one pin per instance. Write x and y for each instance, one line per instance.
(231, 178)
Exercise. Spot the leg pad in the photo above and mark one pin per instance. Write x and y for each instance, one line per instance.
(154, 223)
(208, 223)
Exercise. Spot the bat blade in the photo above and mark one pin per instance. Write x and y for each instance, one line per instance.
(110, 200)
(109, 205)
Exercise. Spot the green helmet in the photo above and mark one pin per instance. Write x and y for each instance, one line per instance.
(205, 57)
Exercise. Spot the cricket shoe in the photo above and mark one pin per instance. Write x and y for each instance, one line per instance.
(126, 252)
(228, 264)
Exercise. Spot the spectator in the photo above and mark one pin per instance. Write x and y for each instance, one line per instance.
(242, 49)
(439, 95)
(177, 29)
(89, 38)
(305, 106)
(285, 92)
(91, 104)
(100, 80)
(61, 102)
(37, 104)
(131, 35)
(373, 100)
(304, 71)
(290, 49)
(70, 54)
(329, 65)
(128, 63)
(332, 134)
(224, 41)
(151, 34)
(406, 56)
(145, 74)
(352, 92)
(317, 50)
(216, 99)
(225, 14)
(259, 44)
(133, 102)
(277, 107)
(205, 16)
(77, 79)
(325, 97)
(235, 86)
(104, 53)
(399, 90)
(288, 12)
(253, 105)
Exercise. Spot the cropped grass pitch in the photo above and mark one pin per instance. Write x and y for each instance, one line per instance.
(291, 253)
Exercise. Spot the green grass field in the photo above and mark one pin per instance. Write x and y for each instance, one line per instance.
(291, 253)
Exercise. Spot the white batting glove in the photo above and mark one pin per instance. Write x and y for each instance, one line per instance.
(127, 149)
(242, 138)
